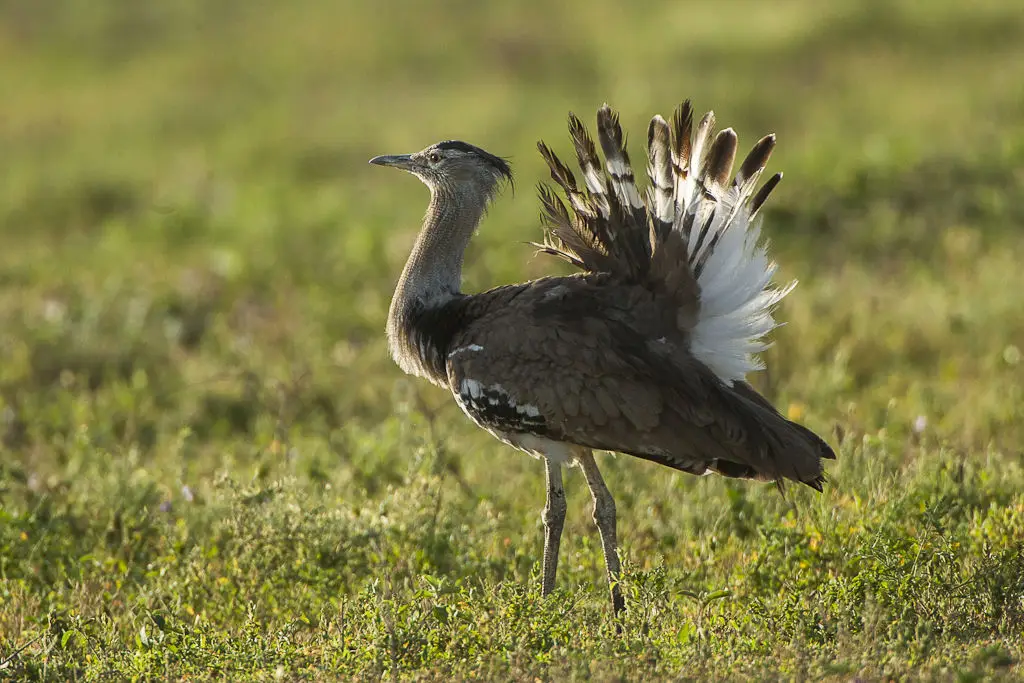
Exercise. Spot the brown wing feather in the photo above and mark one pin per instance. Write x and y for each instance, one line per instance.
(579, 369)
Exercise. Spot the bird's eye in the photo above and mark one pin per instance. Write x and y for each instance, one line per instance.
(434, 157)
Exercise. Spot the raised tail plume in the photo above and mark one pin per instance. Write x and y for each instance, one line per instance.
(661, 194)
(692, 232)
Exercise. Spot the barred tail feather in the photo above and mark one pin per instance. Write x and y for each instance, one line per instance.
(682, 150)
(620, 171)
(659, 170)
(586, 154)
(569, 237)
(718, 168)
(562, 175)
(622, 182)
(694, 185)
(762, 194)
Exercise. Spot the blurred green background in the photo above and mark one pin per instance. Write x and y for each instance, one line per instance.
(211, 467)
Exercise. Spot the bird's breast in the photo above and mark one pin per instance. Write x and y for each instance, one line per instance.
(419, 337)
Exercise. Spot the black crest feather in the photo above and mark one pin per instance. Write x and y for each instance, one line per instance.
(501, 166)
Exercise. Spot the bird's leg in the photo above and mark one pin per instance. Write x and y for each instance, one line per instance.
(604, 517)
(554, 520)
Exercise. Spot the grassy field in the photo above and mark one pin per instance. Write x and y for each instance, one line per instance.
(211, 470)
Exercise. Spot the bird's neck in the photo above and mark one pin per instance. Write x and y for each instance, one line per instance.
(434, 269)
(432, 276)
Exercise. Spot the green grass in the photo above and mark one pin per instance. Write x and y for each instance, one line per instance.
(210, 468)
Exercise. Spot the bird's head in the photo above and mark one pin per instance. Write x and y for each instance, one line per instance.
(453, 166)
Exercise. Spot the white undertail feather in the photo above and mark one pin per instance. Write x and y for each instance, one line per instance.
(693, 193)
(737, 300)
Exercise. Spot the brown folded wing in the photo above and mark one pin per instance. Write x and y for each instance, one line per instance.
(592, 362)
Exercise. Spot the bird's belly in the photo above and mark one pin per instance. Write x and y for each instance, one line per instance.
(557, 452)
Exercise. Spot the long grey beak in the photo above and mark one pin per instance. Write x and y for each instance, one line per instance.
(397, 160)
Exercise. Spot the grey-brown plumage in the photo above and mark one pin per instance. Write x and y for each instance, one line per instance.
(645, 352)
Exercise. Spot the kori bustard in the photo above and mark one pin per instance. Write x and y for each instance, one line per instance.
(644, 352)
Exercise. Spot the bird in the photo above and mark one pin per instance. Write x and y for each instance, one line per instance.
(644, 350)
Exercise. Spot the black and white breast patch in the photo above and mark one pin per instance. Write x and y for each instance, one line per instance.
(494, 407)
